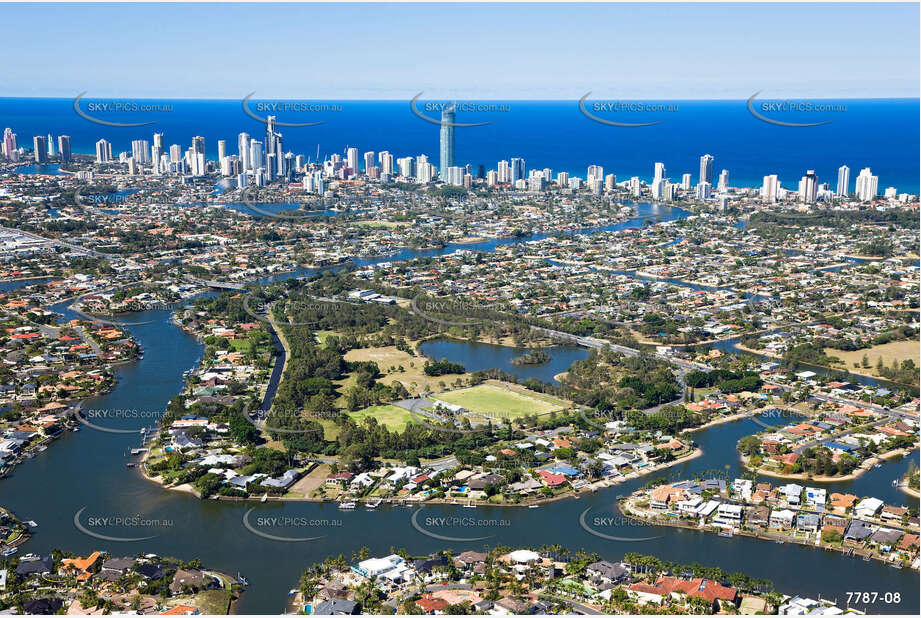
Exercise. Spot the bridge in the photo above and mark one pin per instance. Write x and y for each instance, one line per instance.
(217, 285)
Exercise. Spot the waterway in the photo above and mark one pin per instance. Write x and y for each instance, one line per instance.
(83, 476)
(476, 356)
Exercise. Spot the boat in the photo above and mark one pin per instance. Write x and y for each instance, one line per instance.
(469, 506)
(10, 551)
(725, 534)
(264, 497)
(130, 465)
(31, 523)
(347, 505)
(533, 506)
(374, 504)
(779, 542)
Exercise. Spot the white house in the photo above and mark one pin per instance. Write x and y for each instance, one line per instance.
(728, 515)
(782, 518)
(868, 507)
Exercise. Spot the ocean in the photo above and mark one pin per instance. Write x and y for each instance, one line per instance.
(878, 133)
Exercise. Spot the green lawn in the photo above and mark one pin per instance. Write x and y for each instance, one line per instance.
(240, 345)
(394, 417)
(498, 402)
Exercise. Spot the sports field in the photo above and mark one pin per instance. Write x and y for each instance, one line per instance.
(501, 402)
(394, 417)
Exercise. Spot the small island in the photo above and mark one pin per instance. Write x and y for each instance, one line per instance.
(534, 357)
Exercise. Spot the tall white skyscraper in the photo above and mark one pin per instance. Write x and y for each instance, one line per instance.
(369, 160)
(103, 151)
(706, 170)
(221, 149)
(504, 171)
(243, 151)
(723, 184)
(256, 155)
(140, 151)
(686, 182)
(386, 163)
(351, 156)
(156, 152)
(844, 181)
(406, 166)
(659, 174)
(769, 189)
(808, 187)
(867, 185)
(448, 118)
(594, 171)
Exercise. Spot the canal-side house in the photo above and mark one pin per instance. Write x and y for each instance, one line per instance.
(782, 518)
(607, 572)
(728, 516)
(758, 516)
(791, 492)
(868, 507)
(857, 531)
(808, 522)
(815, 497)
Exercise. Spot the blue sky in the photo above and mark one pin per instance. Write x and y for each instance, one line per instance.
(519, 51)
